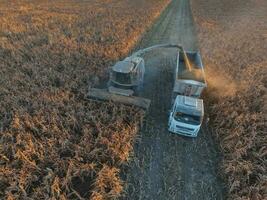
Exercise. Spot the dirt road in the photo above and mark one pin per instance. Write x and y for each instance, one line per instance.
(167, 166)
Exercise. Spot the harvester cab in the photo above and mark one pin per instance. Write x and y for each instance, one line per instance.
(127, 77)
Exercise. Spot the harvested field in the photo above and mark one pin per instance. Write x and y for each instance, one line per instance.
(233, 42)
(169, 166)
(53, 143)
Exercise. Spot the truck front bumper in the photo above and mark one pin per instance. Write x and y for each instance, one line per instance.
(189, 132)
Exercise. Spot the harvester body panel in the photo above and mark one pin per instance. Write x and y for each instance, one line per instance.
(125, 82)
(127, 75)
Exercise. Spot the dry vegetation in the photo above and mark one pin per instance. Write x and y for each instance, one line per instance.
(53, 143)
(233, 41)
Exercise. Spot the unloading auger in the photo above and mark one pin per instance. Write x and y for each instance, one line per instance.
(126, 79)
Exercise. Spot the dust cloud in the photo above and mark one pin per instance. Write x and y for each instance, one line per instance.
(219, 83)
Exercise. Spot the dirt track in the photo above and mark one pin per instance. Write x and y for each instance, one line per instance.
(167, 166)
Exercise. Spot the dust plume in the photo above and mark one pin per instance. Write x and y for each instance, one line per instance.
(219, 83)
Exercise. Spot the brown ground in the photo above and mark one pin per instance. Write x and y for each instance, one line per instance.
(53, 143)
(167, 166)
(233, 38)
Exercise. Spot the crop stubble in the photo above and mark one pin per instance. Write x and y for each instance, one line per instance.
(53, 143)
(233, 41)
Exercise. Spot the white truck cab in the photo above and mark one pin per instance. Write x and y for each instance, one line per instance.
(186, 116)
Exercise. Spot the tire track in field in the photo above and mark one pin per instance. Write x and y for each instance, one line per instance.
(165, 165)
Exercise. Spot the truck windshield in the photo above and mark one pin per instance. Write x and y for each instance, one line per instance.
(122, 78)
(186, 118)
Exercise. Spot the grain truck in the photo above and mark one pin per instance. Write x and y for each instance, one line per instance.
(187, 110)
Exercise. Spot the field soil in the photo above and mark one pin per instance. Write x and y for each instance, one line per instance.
(233, 38)
(165, 165)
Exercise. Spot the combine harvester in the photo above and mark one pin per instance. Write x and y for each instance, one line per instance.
(126, 81)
